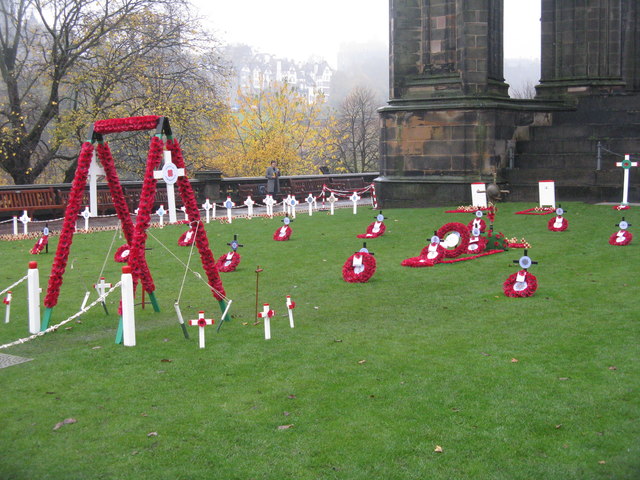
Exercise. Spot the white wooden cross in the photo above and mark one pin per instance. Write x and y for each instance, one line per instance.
(201, 322)
(310, 201)
(24, 219)
(332, 200)
(292, 203)
(228, 204)
(266, 315)
(7, 302)
(86, 213)
(95, 170)
(207, 206)
(626, 164)
(169, 174)
(354, 198)
(161, 212)
(290, 306)
(101, 287)
(269, 202)
(249, 203)
(285, 205)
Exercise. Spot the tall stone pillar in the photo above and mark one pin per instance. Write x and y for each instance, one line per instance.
(443, 127)
(589, 47)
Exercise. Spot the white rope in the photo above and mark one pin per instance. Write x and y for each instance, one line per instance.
(106, 258)
(14, 285)
(100, 299)
(184, 277)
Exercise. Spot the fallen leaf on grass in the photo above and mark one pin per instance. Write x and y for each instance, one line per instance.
(438, 449)
(514, 360)
(166, 360)
(96, 348)
(152, 434)
(602, 462)
(291, 396)
(66, 421)
(286, 414)
(558, 426)
(245, 323)
(285, 427)
(257, 323)
(486, 354)
(612, 367)
(337, 341)
(562, 379)
(360, 362)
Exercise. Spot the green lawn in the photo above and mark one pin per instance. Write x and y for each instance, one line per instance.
(373, 377)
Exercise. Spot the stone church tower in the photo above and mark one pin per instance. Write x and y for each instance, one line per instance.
(450, 122)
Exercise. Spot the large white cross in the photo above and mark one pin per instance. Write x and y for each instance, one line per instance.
(354, 198)
(310, 201)
(161, 212)
(332, 200)
(201, 322)
(207, 206)
(292, 203)
(249, 203)
(95, 170)
(228, 204)
(24, 219)
(269, 202)
(169, 174)
(626, 165)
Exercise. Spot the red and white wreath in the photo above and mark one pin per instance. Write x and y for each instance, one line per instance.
(122, 254)
(558, 224)
(187, 238)
(283, 233)
(429, 256)
(374, 230)
(359, 267)
(520, 284)
(40, 244)
(621, 238)
(228, 262)
(454, 237)
(476, 245)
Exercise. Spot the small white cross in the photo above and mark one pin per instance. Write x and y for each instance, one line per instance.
(266, 315)
(249, 203)
(201, 322)
(86, 213)
(290, 306)
(101, 286)
(332, 200)
(207, 206)
(626, 165)
(310, 201)
(24, 219)
(354, 198)
(269, 202)
(161, 212)
(228, 204)
(169, 174)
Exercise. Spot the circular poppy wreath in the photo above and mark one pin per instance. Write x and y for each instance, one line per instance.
(627, 236)
(480, 244)
(282, 238)
(370, 233)
(122, 253)
(222, 264)
(423, 259)
(482, 225)
(551, 225)
(530, 289)
(40, 244)
(369, 264)
(462, 232)
(184, 242)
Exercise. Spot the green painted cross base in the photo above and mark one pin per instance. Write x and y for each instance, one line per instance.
(46, 318)
(154, 301)
(184, 331)
(224, 318)
(119, 332)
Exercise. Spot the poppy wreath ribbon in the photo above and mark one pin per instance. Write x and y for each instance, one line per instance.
(282, 233)
(370, 233)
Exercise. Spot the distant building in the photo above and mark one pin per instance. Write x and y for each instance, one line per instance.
(255, 72)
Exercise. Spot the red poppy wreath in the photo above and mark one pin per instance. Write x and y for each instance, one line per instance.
(228, 262)
(461, 232)
(621, 238)
(283, 233)
(359, 268)
(558, 224)
(429, 256)
(520, 284)
(122, 254)
(374, 230)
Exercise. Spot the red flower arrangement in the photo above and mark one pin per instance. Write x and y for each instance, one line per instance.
(476, 245)
(621, 238)
(228, 262)
(40, 244)
(520, 284)
(621, 207)
(122, 253)
(558, 224)
(283, 233)
(497, 241)
(370, 233)
(429, 256)
(363, 270)
(454, 228)
(187, 238)
(129, 124)
(478, 223)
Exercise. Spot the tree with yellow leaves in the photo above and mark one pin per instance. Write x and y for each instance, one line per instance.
(276, 123)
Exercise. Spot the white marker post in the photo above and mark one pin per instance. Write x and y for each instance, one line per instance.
(228, 204)
(95, 170)
(201, 322)
(266, 315)
(128, 314)
(7, 302)
(25, 219)
(310, 201)
(479, 195)
(626, 165)
(292, 203)
(547, 193)
(354, 198)
(269, 202)
(169, 174)
(332, 200)
(86, 213)
(249, 204)
(85, 299)
(33, 294)
(207, 206)
(15, 225)
(161, 212)
(290, 306)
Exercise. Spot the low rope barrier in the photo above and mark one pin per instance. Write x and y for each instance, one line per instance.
(13, 285)
(100, 299)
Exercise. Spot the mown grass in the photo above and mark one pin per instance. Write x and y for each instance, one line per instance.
(373, 377)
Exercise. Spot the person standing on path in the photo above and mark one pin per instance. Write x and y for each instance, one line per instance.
(273, 179)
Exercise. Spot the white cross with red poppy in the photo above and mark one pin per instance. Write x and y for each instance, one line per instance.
(626, 165)
(266, 315)
(7, 302)
(201, 322)
(290, 306)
